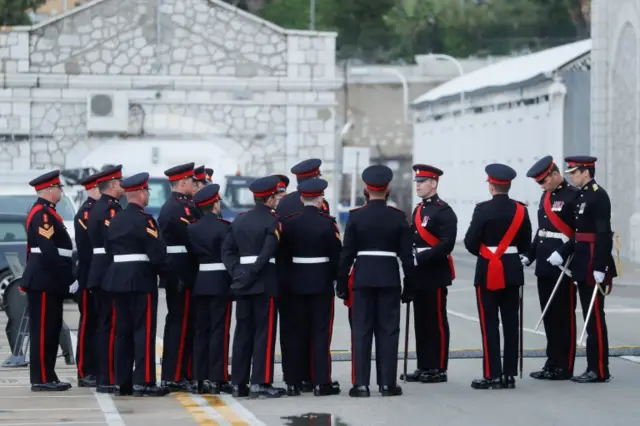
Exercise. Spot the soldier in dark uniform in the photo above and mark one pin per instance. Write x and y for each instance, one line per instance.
(98, 223)
(307, 169)
(209, 172)
(283, 184)
(212, 313)
(500, 229)
(200, 180)
(86, 354)
(375, 237)
(139, 256)
(47, 279)
(555, 226)
(592, 267)
(175, 215)
(434, 228)
(311, 251)
(248, 253)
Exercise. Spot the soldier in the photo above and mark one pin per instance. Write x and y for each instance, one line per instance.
(209, 172)
(175, 215)
(592, 264)
(212, 319)
(283, 184)
(86, 355)
(555, 226)
(434, 226)
(376, 236)
(311, 251)
(307, 169)
(248, 253)
(47, 278)
(500, 229)
(139, 256)
(97, 226)
(200, 180)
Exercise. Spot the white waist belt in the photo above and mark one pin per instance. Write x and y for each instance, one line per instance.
(118, 258)
(377, 253)
(246, 260)
(176, 249)
(548, 234)
(62, 252)
(310, 259)
(99, 250)
(509, 250)
(421, 249)
(212, 267)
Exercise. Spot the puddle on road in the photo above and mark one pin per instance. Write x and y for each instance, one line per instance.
(313, 419)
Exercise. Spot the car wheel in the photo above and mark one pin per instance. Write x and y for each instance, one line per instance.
(5, 278)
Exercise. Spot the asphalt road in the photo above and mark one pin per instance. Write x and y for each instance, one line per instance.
(453, 403)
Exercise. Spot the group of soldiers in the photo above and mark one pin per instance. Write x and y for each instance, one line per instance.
(285, 259)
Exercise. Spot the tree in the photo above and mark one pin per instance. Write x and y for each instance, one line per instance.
(16, 12)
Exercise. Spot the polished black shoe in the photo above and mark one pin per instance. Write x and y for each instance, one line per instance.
(413, 377)
(433, 376)
(105, 389)
(487, 384)
(50, 387)
(293, 390)
(266, 390)
(239, 391)
(202, 387)
(181, 386)
(124, 390)
(559, 374)
(326, 390)
(149, 390)
(306, 387)
(590, 377)
(393, 390)
(542, 374)
(221, 387)
(359, 392)
(88, 381)
(509, 382)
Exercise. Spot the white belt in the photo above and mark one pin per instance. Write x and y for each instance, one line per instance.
(548, 234)
(176, 249)
(246, 260)
(310, 259)
(509, 250)
(421, 249)
(118, 258)
(62, 252)
(212, 267)
(99, 250)
(377, 253)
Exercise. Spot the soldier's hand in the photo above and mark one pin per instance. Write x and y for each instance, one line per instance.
(555, 259)
(407, 295)
(524, 260)
(598, 276)
(341, 294)
(74, 287)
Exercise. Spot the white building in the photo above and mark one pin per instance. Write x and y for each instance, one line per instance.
(513, 112)
(159, 80)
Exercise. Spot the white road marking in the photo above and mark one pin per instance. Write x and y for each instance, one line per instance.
(241, 410)
(47, 396)
(475, 319)
(56, 423)
(631, 358)
(49, 409)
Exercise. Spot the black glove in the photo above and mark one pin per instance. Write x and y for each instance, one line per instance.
(243, 279)
(344, 295)
(408, 291)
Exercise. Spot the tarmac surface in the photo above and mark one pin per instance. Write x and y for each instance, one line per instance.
(453, 403)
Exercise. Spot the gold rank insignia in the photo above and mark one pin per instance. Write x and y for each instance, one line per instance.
(184, 219)
(106, 222)
(82, 224)
(46, 231)
(595, 186)
(152, 232)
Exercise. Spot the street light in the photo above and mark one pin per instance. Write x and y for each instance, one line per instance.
(403, 80)
(455, 62)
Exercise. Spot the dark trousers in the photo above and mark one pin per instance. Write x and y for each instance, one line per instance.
(293, 372)
(377, 345)
(45, 320)
(375, 312)
(597, 334)
(106, 336)
(313, 321)
(254, 337)
(178, 337)
(559, 321)
(212, 322)
(431, 326)
(506, 303)
(86, 355)
(135, 341)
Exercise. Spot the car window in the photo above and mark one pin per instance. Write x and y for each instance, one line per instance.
(21, 204)
(158, 193)
(11, 231)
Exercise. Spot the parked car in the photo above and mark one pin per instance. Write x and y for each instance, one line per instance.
(13, 239)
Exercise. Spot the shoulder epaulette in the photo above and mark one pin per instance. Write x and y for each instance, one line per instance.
(521, 202)
(357, 208)
(221, 219)
(290, 215)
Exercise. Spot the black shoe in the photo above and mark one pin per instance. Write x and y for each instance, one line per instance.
(559, 374)
(293, 390)
(202, 387)
(487, 384)
(88, 381)
(265, 390)
(326, 390)
(50, 387)
(124, 390)
(359, 392)
(306, 387)
(590, 377)
(413, 377)
(393, 390)
(239, 391)
(221, 387)
(434, 376)
(105, 388)
(509, 382)
(149, 390)
(542, 374)
(181, 386)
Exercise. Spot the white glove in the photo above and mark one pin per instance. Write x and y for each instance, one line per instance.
(599, 276)
(555, 259)
(524, 260)
(74, 287)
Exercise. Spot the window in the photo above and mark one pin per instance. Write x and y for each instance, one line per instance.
(239, 196)
(159, 192)
(21, 204)
(12, 231)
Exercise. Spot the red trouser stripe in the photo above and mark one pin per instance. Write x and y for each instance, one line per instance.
(183, 334)
(147, 343)
(267, 369)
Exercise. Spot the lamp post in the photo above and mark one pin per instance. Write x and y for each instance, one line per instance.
(394, 72)
(442, 56)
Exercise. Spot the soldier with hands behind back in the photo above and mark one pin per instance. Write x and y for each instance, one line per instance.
(48, 277)
(434, 226)
(500, 229)
(555, 227)
(375, 237)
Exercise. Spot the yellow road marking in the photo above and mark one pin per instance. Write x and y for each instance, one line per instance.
(225, 411)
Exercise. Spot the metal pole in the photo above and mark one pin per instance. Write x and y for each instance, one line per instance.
(405, 90)
(456, 63)
(312, 15)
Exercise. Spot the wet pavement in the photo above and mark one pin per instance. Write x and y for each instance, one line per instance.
(453, 403)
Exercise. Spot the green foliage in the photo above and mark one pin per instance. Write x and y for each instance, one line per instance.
(15, 12)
